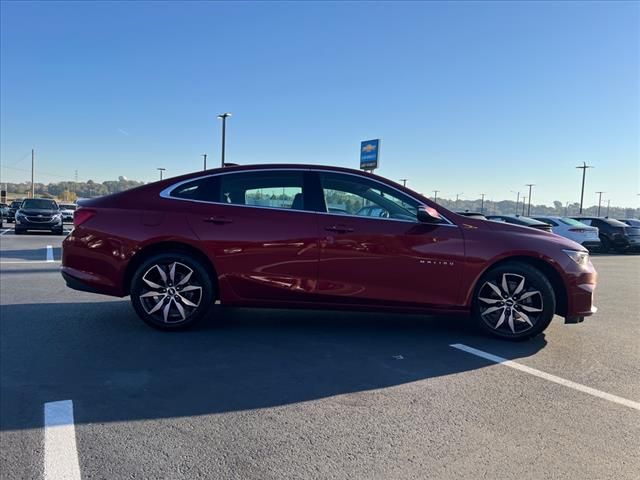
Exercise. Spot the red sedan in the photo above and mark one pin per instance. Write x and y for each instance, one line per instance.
(318, 237)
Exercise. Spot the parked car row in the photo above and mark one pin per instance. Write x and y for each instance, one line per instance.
(594, 233)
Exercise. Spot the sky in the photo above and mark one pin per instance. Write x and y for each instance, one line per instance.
(467, 98)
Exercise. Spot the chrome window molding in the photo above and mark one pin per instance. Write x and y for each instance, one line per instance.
(166, 193)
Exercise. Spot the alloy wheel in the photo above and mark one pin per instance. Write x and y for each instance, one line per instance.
(171, 292)
(509, 304)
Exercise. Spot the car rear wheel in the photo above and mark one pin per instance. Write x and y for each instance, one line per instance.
(605, 244)
(514, 301)
(18, 231)
(171, 291)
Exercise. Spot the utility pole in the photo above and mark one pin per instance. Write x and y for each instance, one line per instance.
(435, 195)
(608, 205)
(530, 185)
(524, 200)
(404, 181)
(223, 117)
(33, 160)
(566, 209)
(599, 200)
(204, 155)
(583, 167)
(160, 169)
(517, 200)
(482, 203)
(457, 197)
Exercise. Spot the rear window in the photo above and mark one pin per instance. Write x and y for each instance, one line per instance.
(614, 223)
(39, 203)
(548, 221)
(572, 222)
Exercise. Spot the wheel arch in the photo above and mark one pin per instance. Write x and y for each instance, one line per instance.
(547, 269)
(163, 247)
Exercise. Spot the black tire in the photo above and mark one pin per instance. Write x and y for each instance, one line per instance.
(174, 293)
(534, 300)
(605, 244)
(57, 231)
(18, 231)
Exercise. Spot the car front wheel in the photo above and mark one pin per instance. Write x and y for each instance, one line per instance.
(171, 291)
(514, 301)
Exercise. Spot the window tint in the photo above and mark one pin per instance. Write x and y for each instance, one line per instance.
(266, 189)
(585, 221)
(200, 189)
(352, 195)
(573, 223)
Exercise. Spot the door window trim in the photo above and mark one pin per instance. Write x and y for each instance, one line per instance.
(166, 193)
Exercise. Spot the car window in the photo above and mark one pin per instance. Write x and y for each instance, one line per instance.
(585, 221)
(354, 195)
(265, 189)
(39, 203)
(200, 189)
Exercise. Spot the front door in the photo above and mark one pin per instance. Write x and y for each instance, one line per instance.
(374, 251)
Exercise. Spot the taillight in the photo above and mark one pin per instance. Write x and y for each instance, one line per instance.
(82, 215)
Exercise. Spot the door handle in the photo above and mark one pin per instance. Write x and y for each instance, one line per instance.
(339, 228)
(217, 220)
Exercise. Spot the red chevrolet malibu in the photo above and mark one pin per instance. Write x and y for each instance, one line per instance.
(318, 237)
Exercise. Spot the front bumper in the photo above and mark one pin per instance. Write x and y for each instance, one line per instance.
(592, 244)
(28, 225)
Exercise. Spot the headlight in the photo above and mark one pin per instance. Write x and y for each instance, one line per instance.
(578, 256)
(20, 215)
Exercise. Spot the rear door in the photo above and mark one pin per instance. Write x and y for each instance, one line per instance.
(389, 259)
(262, 237)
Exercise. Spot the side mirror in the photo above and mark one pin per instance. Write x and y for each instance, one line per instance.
(428, 215)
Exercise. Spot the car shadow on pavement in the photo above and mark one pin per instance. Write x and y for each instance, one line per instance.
(115, 368)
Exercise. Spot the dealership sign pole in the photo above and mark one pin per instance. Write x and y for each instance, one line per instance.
(370, 155)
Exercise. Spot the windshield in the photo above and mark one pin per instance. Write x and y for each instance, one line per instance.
(15, 204)
(614, 223)
(39, 203)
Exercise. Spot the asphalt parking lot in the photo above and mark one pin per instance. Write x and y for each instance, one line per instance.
(274, 394)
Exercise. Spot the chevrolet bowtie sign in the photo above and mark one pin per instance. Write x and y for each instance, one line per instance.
(369, 154)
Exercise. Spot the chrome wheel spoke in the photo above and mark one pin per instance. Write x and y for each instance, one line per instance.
(190, 288)
(157, 305)
(490, 301)
(511, 324)
(165, 311)
(151, 284)
(186, 301)
(527, 308)
(505, 285)
(525, 318)
(494, 288)
(492, 309)
(500, 320)
(529, 294)
(163, 275)
(180, 309)
(520, 287)
(172, 273)
(185, 279)
(152, 294)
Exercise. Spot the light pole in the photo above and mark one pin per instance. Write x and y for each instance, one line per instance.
(584, 167)
(457, 197)
(608, 205)
(33, 159)
(530, 185)
(204, 155)
(482, 203)
(224, 116)
(404, 181)
(435, 196)
(517, 199)
(599, 200)
(524, 200)
(160, 169)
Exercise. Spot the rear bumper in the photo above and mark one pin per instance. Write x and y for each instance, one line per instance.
(88, 282)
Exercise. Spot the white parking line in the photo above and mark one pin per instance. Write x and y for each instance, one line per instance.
(60, 451)
(49, 253)
(22, 262)
(5, 231)
(547, 376)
